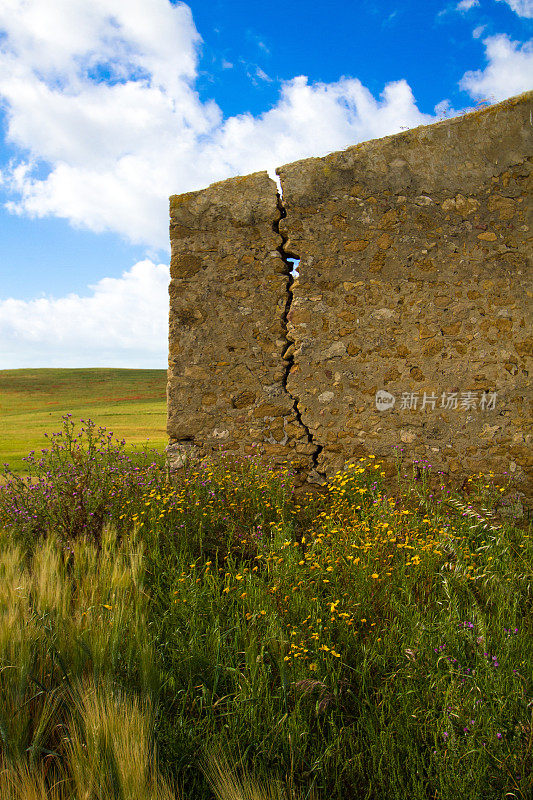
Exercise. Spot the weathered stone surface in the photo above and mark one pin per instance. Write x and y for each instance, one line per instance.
(228, 294)
(414, 277)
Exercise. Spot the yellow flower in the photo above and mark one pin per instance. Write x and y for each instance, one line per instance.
(375, 575)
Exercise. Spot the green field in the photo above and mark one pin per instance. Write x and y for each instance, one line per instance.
(199, 636)
(130, 402)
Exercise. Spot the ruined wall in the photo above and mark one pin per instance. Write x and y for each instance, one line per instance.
(413, 281)
(228, 299)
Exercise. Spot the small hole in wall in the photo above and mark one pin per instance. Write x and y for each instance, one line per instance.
(295, 263)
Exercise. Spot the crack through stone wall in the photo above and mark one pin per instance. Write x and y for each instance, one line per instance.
(315, 476)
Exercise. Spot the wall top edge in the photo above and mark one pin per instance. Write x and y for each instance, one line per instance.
(222, 193)
(415, 133)
(242, 200)
(228, 185)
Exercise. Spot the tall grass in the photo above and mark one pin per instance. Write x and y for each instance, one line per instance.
(356, 642)
(107, 752)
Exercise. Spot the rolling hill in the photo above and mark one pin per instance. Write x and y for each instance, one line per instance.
(130, 402)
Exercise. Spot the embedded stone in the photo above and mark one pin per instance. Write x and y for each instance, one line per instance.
(335, 350)
(326, 397)
(466, 205)
(356, 245)
(384, 241)
(243, 399)
(184, 265)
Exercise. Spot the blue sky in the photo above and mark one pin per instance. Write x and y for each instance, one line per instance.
(108, 107)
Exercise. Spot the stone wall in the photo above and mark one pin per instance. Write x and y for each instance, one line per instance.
(413, 282)
(228, 305)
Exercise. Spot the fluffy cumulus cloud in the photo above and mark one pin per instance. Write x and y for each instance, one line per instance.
(101, 104)
(508, 72)
(311, 119)
(524, 8)
(102, 109)
(101, 101)
(95, 94)
(121, 322)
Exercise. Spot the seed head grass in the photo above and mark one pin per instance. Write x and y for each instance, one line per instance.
(218, 634)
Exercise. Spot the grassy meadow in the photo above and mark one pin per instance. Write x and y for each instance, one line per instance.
(130, 402)
(220, 635)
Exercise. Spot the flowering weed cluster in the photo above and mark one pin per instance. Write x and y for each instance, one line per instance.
(348, 642)
(71, 487)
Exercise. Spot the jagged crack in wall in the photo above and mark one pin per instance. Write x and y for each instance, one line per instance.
(414, 280)
(314, 475)
(228, 298)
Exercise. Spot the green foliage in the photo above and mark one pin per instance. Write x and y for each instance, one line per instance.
(132, 401)
(348, 643)
(72, 487)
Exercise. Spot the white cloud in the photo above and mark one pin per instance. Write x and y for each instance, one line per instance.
(262, 75)
(478, 32)
(122, 322)
(101, 104)
(524, 8)
(105, 154)
(312, 119)
(508, 72)
(466, 5)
